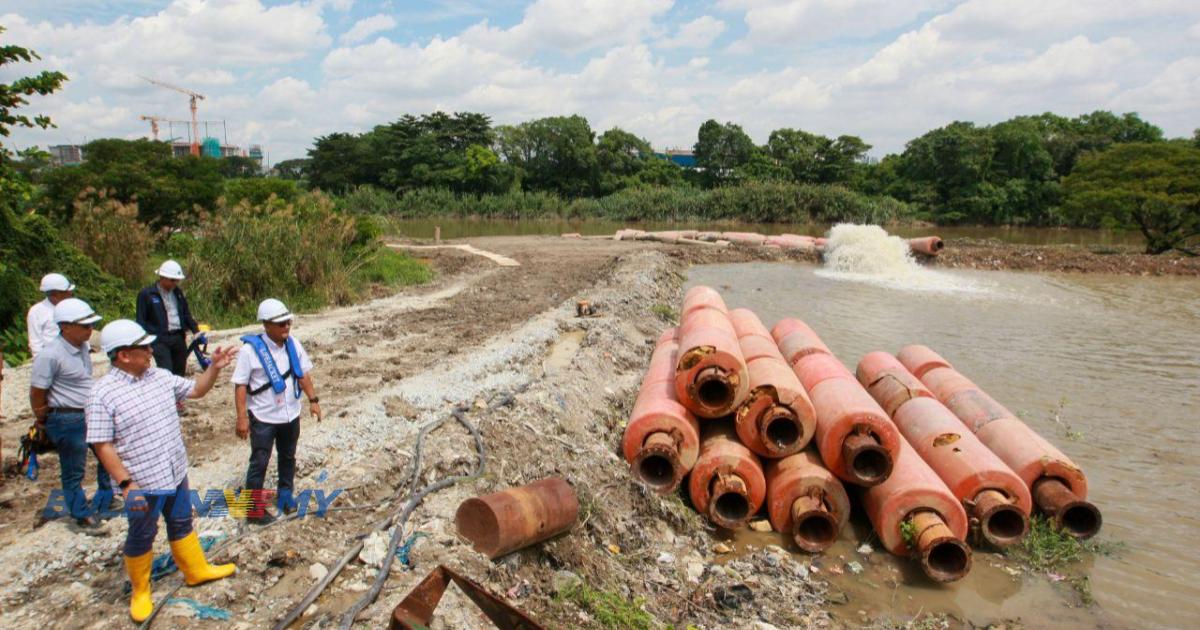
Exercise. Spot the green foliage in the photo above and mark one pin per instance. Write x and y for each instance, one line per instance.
(556, 154)
(720, 149)
(609, 609)
(1153, 187)
(236, 166)
(816, 159)
(14, 344)
(167, 190)
(257, 190)
(12, 97)
(621, 157)
(1046, 548)
(665, 313)
(392, 268)
(294, 169)
(908, 532)
(108, 232)
(179, 246)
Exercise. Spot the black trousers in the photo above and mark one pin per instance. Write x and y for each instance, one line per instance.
(264, 435)
(170, 352)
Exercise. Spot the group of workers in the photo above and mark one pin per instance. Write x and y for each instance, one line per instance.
(130, 417)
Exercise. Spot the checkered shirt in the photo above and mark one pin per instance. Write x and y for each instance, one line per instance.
(138, 415)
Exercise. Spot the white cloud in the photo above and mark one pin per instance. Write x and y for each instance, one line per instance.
(699, 33)
(571, 26)
(1075, 60)
(1194, 32)
(806, 21)
(367, 27)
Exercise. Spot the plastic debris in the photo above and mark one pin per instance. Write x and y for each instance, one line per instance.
(203, 611)
(404, 550)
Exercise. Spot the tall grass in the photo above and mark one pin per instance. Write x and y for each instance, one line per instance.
(108, 231)
(306, 253)
(756, 202)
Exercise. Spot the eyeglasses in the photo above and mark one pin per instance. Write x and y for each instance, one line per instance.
(284, 324)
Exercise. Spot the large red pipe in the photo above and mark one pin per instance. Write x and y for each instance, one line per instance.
(1059, 488)
(710, 376)
(805, 500)
(662, 439)
(503, 522)
(914, 513)
(727, 484)
(857, 440)
(927, 245)
(995, 497)
(778, 418)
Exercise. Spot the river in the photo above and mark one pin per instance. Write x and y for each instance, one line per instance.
(1105, 367)
(466, 228)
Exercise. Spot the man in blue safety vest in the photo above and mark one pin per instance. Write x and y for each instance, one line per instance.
(272, 370)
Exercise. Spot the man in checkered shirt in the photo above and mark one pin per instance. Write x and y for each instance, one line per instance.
(133, 425)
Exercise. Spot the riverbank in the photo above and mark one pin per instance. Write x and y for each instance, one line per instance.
(991, 254)
(384, 370)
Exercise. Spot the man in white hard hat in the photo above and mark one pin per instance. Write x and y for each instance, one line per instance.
(59, 385)
(162, 310)
(272, 369)
(40, 320)
(134, 427)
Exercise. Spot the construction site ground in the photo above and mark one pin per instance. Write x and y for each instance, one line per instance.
(383, 370)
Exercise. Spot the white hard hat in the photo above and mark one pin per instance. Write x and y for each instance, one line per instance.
(56, 282)
(170, 269)
(122, 333)
(74, 311)
(272, 310)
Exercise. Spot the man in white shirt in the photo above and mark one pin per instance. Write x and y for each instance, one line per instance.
(272, 370)
(40, 320)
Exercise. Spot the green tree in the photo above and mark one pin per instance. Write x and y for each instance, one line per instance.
(236, 166)
(555, 154)
(1153, 187)
(946, 171)
(340, 161)
(720, 149)
(621, 156)
(661, 172)
(294, 169)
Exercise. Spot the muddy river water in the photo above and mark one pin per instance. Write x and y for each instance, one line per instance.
(1105, 367)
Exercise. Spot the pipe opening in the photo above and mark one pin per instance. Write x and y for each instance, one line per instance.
(947, 560)
(782, 432)
(1081, 520)
(657, 471)
(714, 393)
(872, 465)
(939, 245)
(816, 531)
(729, 508)
(1005, 526)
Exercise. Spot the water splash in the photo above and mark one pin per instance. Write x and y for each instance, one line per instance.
(866, 253)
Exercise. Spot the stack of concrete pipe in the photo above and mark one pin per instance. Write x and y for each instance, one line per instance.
(771, 421)
(925, 246)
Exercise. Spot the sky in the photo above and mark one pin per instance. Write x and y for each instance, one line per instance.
(281, 73)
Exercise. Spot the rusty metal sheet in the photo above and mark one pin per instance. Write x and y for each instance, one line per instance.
(416, 611)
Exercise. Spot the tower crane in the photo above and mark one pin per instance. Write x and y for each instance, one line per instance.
(192, 98)
(154, 120)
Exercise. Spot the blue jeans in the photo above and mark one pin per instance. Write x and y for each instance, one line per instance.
(67, 431)
(176, 510)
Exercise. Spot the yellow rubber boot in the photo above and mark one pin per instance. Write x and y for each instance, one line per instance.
(140, 602)
(195, 568)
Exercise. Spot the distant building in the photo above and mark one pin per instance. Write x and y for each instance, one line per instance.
(683, 157)
(181, 148)
(256, 153)
(66, 154)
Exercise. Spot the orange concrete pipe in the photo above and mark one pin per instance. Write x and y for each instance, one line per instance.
(778, 418)
(805, 500)
(996, 499)
(796, 340)
(727, 484)
(927, 245)
(1059, 488)
(856, 438)
(915, 514)
(503, 522)
(662, 438)
(711, 379)
(744, 238)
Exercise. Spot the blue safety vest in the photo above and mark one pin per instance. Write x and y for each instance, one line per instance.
(275, 380)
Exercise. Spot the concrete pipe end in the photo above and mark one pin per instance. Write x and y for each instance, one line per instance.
(1004, 526)
(658, 468)
(712, 390)
(1081, 519)
(730, 510)
(946, 560)
(867, 462)
(815, 531)
(781, 431)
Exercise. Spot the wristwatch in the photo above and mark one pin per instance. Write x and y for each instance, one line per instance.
(314, 399)
(125, 483)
